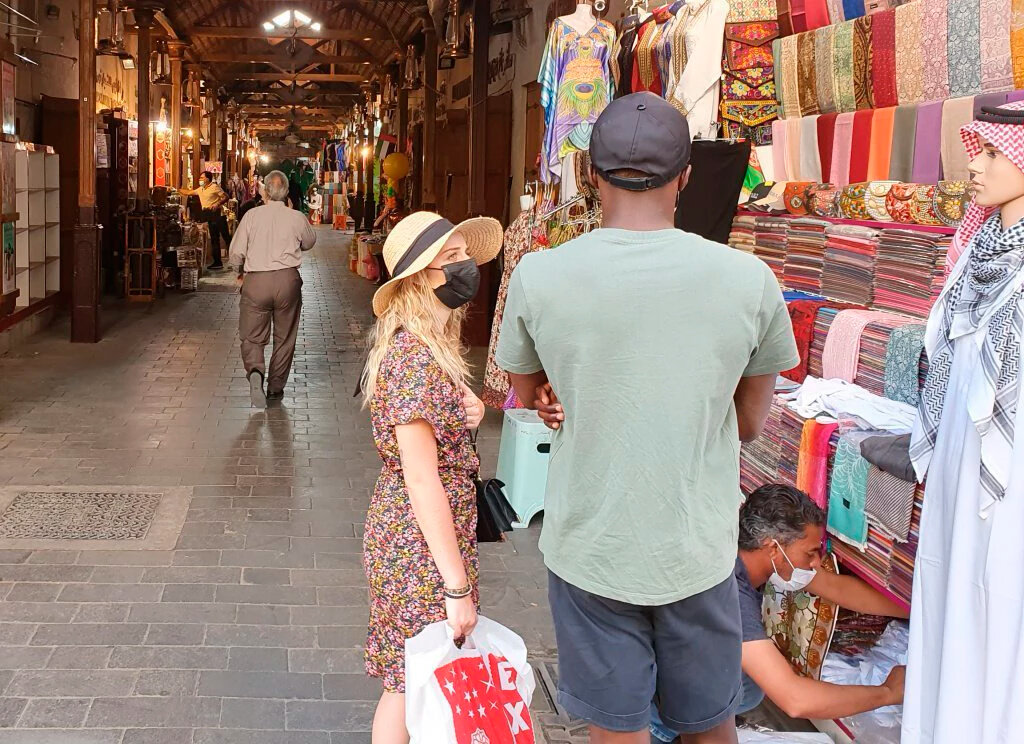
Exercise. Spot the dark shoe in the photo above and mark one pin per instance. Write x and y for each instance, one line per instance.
(256, 395)
(278, 395)
(215, 267)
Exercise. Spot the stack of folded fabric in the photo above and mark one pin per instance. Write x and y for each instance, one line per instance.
(849, 270)
(791, 430)
(759, 460)
(901, 577)
(804, 255)
(942, 245)
(742, 236)
(874, 346)
(821, 325)
(906, 271)
(770, 238)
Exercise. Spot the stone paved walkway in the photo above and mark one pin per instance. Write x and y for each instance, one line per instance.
(249, 631)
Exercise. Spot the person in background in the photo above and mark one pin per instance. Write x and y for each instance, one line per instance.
(781, 532)
(212, 198)
(267, 251)
(257, 201)
(663, 348)
(419, 547)
(295, 196)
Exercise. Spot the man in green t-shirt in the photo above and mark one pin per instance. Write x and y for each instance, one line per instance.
(663, 349)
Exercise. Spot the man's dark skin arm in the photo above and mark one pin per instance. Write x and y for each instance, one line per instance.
(535, 393)
(753, 400)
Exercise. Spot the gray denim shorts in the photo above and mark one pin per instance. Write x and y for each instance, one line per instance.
(613, 658)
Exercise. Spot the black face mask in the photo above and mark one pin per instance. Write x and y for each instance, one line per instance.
(462, 280)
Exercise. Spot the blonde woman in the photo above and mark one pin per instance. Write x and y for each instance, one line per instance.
(419, 547)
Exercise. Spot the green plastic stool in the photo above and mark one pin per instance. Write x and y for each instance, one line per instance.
(523, 463)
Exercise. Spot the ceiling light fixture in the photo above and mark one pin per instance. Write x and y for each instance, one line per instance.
(268, 26)
(293, 20)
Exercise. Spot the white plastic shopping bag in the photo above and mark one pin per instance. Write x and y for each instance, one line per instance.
(479, 694)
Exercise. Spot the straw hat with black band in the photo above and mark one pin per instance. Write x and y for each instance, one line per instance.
(415, 242)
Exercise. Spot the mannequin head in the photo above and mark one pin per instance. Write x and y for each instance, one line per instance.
(995, 179)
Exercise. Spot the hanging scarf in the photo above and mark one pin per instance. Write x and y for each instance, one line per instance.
(989, 294)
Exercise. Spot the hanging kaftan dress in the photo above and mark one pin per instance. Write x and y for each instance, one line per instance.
(965, 678)
(576, 86)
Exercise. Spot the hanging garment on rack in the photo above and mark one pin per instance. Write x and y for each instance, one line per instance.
(806, 78)
(699, 87)
(996, 59)
(676, 34)
(909, 62)
(575, 88)
(842, 149)
(883, 61)
(824, 54)
(863, 88)
(881, 144)
(789, 95)
(963, 33)
(842, 68)
(707, 205)
(649, 69)
(520, 240)
(904, 133)
(621, 60)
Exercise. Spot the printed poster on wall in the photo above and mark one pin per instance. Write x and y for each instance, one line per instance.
(160, 145)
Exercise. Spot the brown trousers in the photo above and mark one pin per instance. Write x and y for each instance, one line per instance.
(270, 297)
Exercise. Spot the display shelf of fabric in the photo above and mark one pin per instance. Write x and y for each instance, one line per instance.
(874, 348)
(821, 325)
(901, 576)
(791, 428)
(847, 493)
(849, 267)
(842, 351)
(770, 237)
(803, 313)
(910, 271)
(805, 253)
(801, 624)
(759, 460)
(741, 237)
(575, 79)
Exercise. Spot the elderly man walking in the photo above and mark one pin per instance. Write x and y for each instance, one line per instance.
(267, 252)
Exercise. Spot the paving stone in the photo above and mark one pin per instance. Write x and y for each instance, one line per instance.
(351, 687)
(275, 736)
(188, 593)
(85, 634)
(326, 661)
(171, 657)
(157, 736)
(245, 713)
(10, 711)
(26, 592)
(253, 614)
(167, 682)
(24, 657)
(259, 635)
(137, 712)
(258, 659)
(55, 713)
(330, 716)
(72, 683)
(275, 685)
(78, 657)
(176, 635)
(63, 736)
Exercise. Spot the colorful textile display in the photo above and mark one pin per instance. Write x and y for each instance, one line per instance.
(928, 143)
(842, 68)
(824, 54)
(826, 143)
(812, 470)
(996, 57)
(881, 144)
(863, 84)
(1017, 42)
(848, 494)
(963, 47)
(807, 80)
(849, 270)
(790, 93)
(934, 49)
(842, 347)
(903, 364)
(575, 80)
(909, 64)
(956, 113)
(842, 149)
(802, 314)
(904, 137)
(883, 68)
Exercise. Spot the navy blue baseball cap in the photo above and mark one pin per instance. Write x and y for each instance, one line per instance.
(641, 132)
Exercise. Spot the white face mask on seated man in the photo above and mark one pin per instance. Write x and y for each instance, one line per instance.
(800, 578)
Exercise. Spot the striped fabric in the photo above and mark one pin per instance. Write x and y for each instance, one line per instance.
(889, 503)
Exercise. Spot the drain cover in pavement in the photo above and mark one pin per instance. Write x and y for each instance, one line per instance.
(91, 518)
(79, 515)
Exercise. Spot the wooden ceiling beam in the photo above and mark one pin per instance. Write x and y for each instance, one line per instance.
(312, 77)
(258, 32)
(241, 58)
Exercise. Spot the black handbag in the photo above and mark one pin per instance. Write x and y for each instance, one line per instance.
(494, 515)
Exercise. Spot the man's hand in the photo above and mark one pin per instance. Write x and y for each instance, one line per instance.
(894, 684)
(474, 408)
(549, 407)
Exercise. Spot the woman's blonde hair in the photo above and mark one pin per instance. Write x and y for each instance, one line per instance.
(412, 309)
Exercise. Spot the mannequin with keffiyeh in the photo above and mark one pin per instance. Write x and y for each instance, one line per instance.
(967, 623)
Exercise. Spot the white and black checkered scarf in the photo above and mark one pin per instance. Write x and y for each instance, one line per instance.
(988, 294)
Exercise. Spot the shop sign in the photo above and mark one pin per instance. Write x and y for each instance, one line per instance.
(160, 145)
(111, 91)
(501, 69)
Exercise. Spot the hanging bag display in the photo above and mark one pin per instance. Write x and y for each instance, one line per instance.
(477, 694)
(749, 45)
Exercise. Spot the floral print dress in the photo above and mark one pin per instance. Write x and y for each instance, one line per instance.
(406, 589)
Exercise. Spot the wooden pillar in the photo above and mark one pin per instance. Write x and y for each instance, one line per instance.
(176, 49)
(197, 128)
(429, 153)
(144, 18)
(478, 109)
(85, 285)
(403, 136)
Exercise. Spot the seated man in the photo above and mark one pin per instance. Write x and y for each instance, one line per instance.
(781, 532)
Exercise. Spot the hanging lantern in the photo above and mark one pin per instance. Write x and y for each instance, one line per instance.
(191, 96)
(411, 74)
(454, 45)
(160, 65)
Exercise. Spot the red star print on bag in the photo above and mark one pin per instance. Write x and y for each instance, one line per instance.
(485, 702)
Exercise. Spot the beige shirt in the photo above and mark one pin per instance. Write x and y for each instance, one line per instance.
(270, 238)
(211, 195)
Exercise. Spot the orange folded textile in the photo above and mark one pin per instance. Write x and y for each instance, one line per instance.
(881, 143)
(812, 467)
